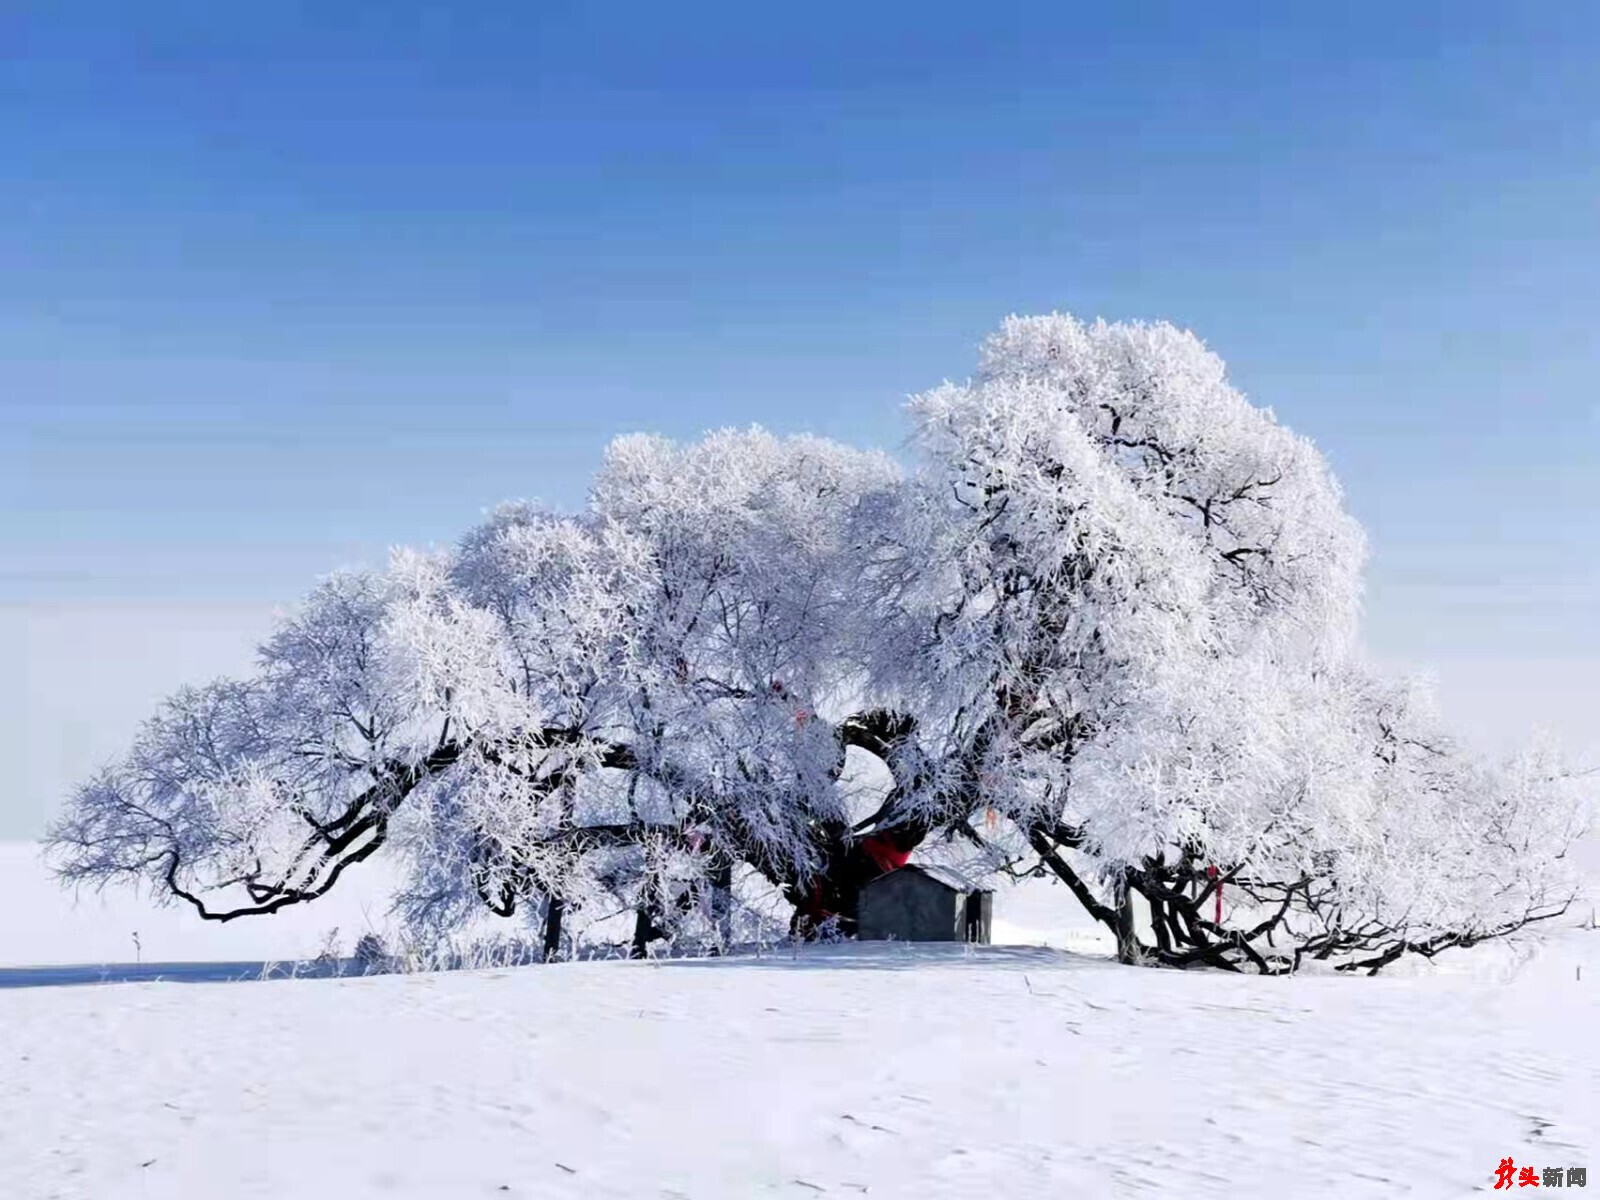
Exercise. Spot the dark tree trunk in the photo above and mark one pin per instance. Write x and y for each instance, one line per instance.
(649, 922)
(851, 858)
(1127, 938)
(1158, 924)
(722, 905)
(554, 910)
(644, 931)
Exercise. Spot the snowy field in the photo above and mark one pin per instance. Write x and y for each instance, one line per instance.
(1013, 1071)
(46, 925)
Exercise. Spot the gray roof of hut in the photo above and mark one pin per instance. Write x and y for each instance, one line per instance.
(950, 878)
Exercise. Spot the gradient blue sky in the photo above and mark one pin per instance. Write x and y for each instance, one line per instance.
(282, 285)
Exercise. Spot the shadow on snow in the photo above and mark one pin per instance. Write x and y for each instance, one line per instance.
(178, 972)
(877, 956)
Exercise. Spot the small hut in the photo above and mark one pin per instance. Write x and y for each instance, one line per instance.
(921, 903)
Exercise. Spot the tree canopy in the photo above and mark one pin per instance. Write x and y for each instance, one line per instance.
(1105, 625)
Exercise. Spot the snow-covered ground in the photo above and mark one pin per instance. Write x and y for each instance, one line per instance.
(896, 1071)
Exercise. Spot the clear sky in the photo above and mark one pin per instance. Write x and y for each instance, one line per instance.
(282, 285)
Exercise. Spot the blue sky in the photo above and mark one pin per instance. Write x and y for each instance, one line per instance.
(284, 285)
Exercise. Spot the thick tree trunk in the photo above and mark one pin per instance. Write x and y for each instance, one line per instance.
(722, 906)
(644, 931)
(1127, 937)
(851, 860)
(554, 910)
(1158, 924)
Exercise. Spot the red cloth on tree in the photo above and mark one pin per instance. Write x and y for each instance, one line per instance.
(885, 853)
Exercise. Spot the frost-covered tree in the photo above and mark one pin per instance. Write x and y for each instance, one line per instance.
(1134, 637)
(1112, 609)
(624, 704)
